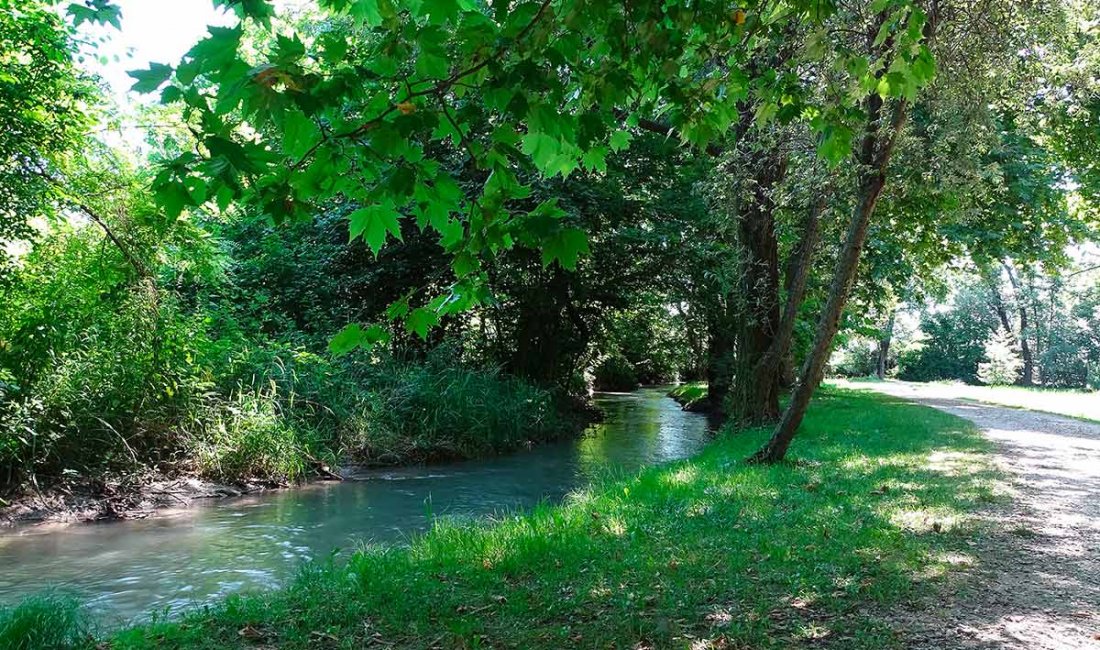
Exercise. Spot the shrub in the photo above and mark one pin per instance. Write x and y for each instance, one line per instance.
(954, 343)
(857, 358)
(249, 436)
(149, 372)
(443, 408)
(1003, 362)
(615, 373)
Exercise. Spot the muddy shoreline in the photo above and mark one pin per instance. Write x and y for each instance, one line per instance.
(141, 495)
(137, 498)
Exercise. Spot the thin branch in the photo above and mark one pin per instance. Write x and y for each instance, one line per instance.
(98, 220)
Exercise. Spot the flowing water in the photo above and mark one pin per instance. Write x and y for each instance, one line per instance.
(173, 560)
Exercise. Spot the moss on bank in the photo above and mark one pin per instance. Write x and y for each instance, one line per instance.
(707, 550)
(690, 394)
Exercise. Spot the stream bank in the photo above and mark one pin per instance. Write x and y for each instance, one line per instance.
(706, 552)
(184, 556)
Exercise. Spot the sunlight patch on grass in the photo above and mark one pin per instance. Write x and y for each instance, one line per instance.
(925, 520)
(681, 476)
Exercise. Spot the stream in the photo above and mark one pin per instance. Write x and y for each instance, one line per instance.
(124, 570)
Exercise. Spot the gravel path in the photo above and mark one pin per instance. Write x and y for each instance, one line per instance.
(1036, 580)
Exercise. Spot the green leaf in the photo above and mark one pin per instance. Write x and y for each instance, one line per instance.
(346, 340)
(421, 320)
(543, 150)
(171, 94)
(565, 246)
(440, 11)
(398, 309)
(923, 66)
(373, 222)
(258, 10)
(103, 12)
(353, 336)
(451, 233)
(149, 80)
(836, 144)
(464, 264)
(299, 134)
(432, 66)
(368, 12)
(595, 159)
(620, 140)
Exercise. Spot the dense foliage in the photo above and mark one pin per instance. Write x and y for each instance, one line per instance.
(397, 232)
(1049, 322)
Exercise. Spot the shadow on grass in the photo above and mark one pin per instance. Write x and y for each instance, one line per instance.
(703, 553)
(1038, 585)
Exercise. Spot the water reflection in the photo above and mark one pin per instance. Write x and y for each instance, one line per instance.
(126, 569)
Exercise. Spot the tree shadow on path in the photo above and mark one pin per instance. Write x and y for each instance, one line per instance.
(1036, 581)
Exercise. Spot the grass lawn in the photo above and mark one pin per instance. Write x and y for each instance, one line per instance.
(1073, 403)
(704, 553)
(687, 394)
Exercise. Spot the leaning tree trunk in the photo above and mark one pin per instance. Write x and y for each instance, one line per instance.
(875, 152)
(798, 274)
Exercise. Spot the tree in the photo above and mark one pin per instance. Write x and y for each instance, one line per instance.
(44, 115)
(366, 117)
(1003, 362)
(884, 119)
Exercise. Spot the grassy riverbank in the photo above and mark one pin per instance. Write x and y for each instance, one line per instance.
(288, 420)
(707, 551)
(689, 394)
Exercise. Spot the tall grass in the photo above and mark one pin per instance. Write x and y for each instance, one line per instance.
(689, 394)
(269, 415)
(45, 622)
(443, 409)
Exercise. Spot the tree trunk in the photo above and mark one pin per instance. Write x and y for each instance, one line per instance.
(798, 274)
(720, 360)
(1027, 377)
(786, 371)
(996, 301)
(884, 347)
(754, 398)
(874, 157)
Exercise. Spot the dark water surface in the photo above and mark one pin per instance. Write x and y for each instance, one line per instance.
(127, 569)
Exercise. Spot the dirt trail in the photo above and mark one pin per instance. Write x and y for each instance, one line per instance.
(1036, 580)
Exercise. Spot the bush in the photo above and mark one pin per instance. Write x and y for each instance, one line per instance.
(614, 373)
(106, 399)
(1003, 362)
(857, 358)
(442, 408)
(954, 343)
(249, 436)
(163, 373)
